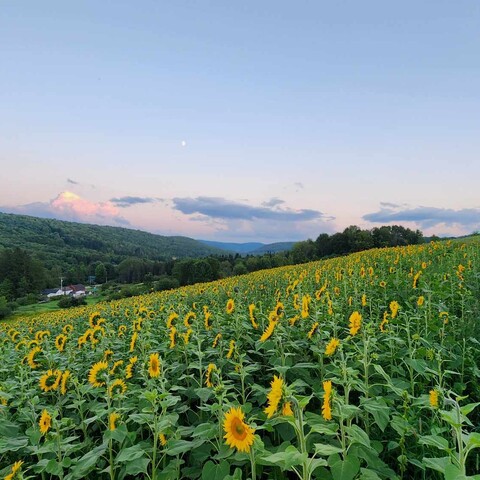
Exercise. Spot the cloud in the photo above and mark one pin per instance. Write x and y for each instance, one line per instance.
(73, 182)
(273, 202)
(124, 202)
(220, 208)
(426, 217)
(71, 207)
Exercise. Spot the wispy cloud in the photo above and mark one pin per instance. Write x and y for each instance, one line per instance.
(124, 202)
(426, 217)
(71, 207)
(273, 202)
(221, 208)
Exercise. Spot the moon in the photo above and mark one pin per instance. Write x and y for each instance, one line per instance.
(184, 143)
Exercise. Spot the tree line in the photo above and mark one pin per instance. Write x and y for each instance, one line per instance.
(23, 275)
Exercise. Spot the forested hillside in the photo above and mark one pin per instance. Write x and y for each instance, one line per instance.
(63, 244)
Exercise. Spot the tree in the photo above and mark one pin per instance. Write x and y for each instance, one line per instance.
(100, 273)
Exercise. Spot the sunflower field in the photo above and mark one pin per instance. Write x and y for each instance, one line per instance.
(359, 367)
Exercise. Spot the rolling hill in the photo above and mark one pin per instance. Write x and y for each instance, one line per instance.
(57, 242)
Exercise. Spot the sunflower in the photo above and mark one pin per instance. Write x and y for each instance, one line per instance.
(133, 340)
(162, 438)
(420, 300)
(305, 305)
(129, 369)
(251, 308)
(355, 323)
(230, 306)
(216, 339)
(117, 386)
(287, 409)
(274, 396)
(332, 346)
(63, 385)
(364, 300)
(121, 330)
(112, 421)
(60, 342)
(312, 331)
(45, 422)
(173, 332)
(173, 316)
(394, 306)
(67, 328)
(326, 407)
(94, 371)
(189, 316)
(208, 315)
(93, 317)
(50, 380)
(279, 309)
(294, 320)
(415, 279)
(433, 397)
(106, 356)
(384, 322)
(115, 366)
(31, 357)
(231, 349)
(238, 434)
(154, 366)
(186, 336)
(208, 376)
(269, 330)
(15, 468)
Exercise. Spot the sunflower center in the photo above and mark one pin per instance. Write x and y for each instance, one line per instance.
(239, 431)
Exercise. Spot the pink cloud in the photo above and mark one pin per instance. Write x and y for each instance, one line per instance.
(71, 202)
(71, 207)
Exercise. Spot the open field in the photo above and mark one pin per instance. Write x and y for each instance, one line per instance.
(363, 366)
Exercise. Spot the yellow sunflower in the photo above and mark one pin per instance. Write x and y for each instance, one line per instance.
(230, 306)
(112, 421)
(154, 366)
(173, 332)
(45, 422)
(355, 323)
(94, 371)
(238, 434)
(208, 375)
(63, 385)
(216, 339)
(50, 380)
(274, 396)
(269, 330)
(332, 346)
(251, 309)
(312, 331)
(31, 357)
(60, 342)
(129, 369)
(133, 340)
(231, 349)
(15, 468)
(117, 386)
(326, 407)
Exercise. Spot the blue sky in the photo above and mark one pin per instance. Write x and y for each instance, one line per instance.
(242, 121)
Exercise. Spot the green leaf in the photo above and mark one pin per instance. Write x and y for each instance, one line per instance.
(344, 469)
(286, 459)
(139, 465)
(357, 435)
(380, 411)
(205, 431)
(215, 471)
(438, 464)
(472, 440)
(142, 418)
(466, 409)
(367, 474)
(54, 468)
(12, 444)
(8, 429)
(177, 447)
(435, 441)
(204, 393)
(129, 454)
(326, 450)
(86, 463)
(452, 472)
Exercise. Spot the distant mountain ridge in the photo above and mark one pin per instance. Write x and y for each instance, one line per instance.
(57, 242)
(251, 248)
